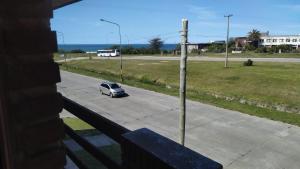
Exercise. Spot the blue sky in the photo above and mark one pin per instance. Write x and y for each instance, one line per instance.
(142, 20)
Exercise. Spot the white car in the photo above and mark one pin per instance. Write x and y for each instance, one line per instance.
(111, 89)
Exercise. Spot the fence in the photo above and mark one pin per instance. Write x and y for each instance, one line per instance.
(141, 149)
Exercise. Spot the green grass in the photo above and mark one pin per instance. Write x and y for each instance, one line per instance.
(269, 84)
(81, 127)
(57, 56)
(244, 54)
(77, 124)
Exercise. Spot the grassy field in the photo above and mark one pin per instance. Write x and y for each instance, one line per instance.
(81, 127)
(242, 55)
(265, 90)
(77, 124)
(58, 56)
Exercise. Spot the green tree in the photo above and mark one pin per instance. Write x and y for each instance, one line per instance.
(254, 38)
(114, 47)
(155, 44)
(285, 48)
(77, 51)
(231, 44)
(217, 48)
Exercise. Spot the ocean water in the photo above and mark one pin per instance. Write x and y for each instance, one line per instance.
(95, 47)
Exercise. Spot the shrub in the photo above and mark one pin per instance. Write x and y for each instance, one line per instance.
(296, 51)
(217, 48)
(250, 47)
(285, 48)
(249, 62)
(261, 50)
(273, 49)
(77, 51)
(146, 79)
(61, 51)
(165, 52)
(128, 50)
(195, 51)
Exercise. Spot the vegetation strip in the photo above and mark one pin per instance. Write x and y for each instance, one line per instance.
(169, 88)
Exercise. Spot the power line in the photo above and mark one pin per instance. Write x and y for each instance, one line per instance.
(163, 36)
(207, 36)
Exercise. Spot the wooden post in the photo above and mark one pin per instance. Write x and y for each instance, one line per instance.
(183, 60)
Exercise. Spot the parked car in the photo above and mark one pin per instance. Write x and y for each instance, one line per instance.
(111, 89)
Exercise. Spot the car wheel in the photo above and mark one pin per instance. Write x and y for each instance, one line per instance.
(111, 95)
(101, 92)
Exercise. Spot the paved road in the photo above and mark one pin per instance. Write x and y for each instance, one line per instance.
(197, 58)
(236, 140)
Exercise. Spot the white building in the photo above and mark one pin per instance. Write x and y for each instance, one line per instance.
(276, 40)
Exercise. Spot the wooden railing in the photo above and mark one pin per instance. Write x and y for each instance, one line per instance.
(140, 149)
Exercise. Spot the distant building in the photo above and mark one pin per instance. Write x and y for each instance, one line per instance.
(268, 40)
(193, 46)
(276, 40)
(240, 42)
(202, 46)
(220, 42)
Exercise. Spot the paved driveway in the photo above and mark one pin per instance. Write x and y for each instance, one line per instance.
(236, 140)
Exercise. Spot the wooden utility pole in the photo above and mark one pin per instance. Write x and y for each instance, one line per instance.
(226, 58)
(184, 41)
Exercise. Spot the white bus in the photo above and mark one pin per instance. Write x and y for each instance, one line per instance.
(108, 53)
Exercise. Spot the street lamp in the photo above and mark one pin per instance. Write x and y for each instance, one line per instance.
(226, 58)
(120, 47)
(63, 40)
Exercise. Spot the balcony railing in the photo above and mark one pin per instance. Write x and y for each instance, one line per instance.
(141, 149)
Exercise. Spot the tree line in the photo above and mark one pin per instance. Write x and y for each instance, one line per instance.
(154, 47)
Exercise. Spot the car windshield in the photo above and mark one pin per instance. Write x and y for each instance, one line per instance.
(114, 86)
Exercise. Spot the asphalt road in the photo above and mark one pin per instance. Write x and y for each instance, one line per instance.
(196, 58)
(236, 140)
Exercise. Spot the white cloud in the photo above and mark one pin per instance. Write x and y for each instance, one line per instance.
(202, 13)
(205, 16)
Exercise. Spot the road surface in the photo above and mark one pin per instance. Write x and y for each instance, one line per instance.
(236, 140)
(195, 58)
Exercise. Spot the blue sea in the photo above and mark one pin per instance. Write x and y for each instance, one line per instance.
(95, 47)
